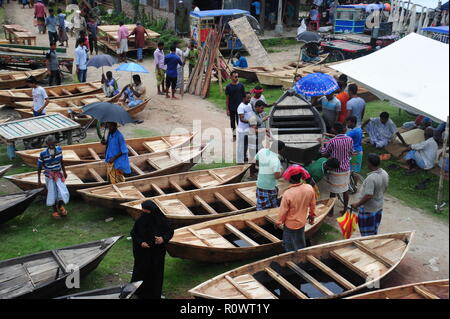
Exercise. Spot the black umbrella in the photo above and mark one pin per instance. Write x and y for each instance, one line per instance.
(308, 37)
(107, 112)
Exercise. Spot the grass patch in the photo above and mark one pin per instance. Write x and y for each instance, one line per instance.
(277, 42)
(326, 234)
(139, 132)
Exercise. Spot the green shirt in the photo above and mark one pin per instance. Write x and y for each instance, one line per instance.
(269, 164)
(192, 56)
(316, 169)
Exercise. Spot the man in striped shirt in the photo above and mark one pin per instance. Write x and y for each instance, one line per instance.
(341, 148)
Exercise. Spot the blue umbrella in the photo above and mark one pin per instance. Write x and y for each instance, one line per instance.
(101, 60)
(316, 84)
(132, 67)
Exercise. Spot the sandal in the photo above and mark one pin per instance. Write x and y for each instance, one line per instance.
(56, 215)
(63, 211)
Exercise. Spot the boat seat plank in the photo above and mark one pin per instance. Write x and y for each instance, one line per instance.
(248, 194)
(204, 180)
(72, 178)
(65, 91)
(205, 205)
(174, 207)
(225, 201)
(117, 189)
(262, 232)
(94, 154)
(52, 93)
(136, 169)
(132, 151)
(309, 278)
(248, 283)
(216, 176)
(157, 189)
(94, 174)
(330, 272)
(153, 164)
(424, 292)
(214, 238)
(156, 146)
(176, 186)
(17, 290)
(286, 284)
(373, 253)
(194, 182)
(244, 292)
(241, 235)
(70, 155)
(164, 161)
(349, 264)
(198, 236)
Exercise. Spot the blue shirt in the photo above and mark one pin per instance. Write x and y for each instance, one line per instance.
(61, 20)
(257, 6)
(115, 145)
(81, 57)
(241, 63)
(50, 22)
(172, 60)
(357, 106)
(49, 163)
(356, 134)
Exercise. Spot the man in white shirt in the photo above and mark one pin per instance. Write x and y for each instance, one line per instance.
(244, 111)
(422, 155)
(40, 98)
(81, 60)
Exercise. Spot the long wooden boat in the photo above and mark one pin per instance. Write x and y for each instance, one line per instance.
(18, 79)
(117, 292)
(9, 97)
(244, 236)
(94, 174)
(67, 102)
(94, 152)
(196, 206)
(299, 125)
(111, 196)
(329, 270)
(44, 274)
(4, 169)
(12, 205)
(33, 61)
(436, 289)
(12, 47)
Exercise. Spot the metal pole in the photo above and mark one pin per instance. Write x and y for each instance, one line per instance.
(440, 204)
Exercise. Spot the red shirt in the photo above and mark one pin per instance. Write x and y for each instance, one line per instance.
(39, 10)
(139, 33)
(343, 97)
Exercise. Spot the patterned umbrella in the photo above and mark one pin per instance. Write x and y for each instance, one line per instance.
(316, 84)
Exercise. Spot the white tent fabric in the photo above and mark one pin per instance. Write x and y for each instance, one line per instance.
(412, 73)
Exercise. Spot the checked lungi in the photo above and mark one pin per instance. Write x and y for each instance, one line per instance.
(114, 175)
(369, 222)
(266, 199)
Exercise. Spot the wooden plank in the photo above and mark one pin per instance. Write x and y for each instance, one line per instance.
(94, 174)
(424, 292)
(205, 205)
(241, 235)
(60, 261)
(286, 284)
(262, 232)
(153, 164)
(194, 182)
(136, 169)
(176, 186)
(225, 201)
(118, 190)
(157, 189)
(29, 275)
(213, 174)
(94, 154)
(352, 267)
(53, 93)
(330, 272)
(204, 240)
(373, 254)
(309, 278)
(132, 151)
(238, 287)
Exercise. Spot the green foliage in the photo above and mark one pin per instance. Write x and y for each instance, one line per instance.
(278, 42)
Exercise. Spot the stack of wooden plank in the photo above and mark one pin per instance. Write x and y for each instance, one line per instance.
(108, 37)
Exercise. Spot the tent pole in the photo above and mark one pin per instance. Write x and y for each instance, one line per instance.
(440, 204)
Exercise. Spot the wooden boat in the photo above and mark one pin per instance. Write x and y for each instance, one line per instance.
(437, 289)
(12, 47)
(118, 292)
(329, 270)
(196, 206)
(94, 174)
(12, 205)
(107, 37)
(111, 196)
(17, 79)
(244, 236)
(33, 61)
(299, 125)
(67, 102)
(94, 152)
(44, 274)
(250, 73)
(4, 169)
(9, 97)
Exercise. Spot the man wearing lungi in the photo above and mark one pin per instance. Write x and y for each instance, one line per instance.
(40, 15)
(341, 148)
(356, 134)
(51, 160)
(122, 42)
(116, 155)
(381, 130)
(370, 206)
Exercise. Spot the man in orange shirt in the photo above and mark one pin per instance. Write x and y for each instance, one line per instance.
(298, 200)
(343, 97)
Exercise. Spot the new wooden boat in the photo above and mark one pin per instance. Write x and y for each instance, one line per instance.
(13, 47)
(244, 236)
(9, 97)
(299, 125)
(118, 292)
(329, 270)
(18, 79)
(94, 152)
(3, 169)
(437, 289)
(44, 274)
(12, 205)
(67, 102)
(196, 206)
(111, 196)
(94, 174)
(33, 61)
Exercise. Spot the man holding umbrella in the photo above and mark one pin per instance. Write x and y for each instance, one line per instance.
(116, 155)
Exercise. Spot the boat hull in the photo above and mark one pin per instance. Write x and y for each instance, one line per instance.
(19, 208)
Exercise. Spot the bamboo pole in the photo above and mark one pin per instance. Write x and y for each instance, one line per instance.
(440, 204)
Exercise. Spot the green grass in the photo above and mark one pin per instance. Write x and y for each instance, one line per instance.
(278, 42)
(139, 132)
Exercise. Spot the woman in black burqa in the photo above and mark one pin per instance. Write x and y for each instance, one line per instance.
(150, 234)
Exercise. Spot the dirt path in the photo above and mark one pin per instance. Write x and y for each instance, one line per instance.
(428, 258)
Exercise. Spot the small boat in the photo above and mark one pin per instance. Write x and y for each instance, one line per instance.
(20, 48)
(44, 274)
(33, 61)
(251, 73)
(239, 237)
(18, 79)
(12, 205)
(3, 169)
(299, 125)
(67, 102)
(10, 97)
(196, 206)
(94, 174)
(329, 270)
(111, 196)
(437, 289)
(94, 152)
(118, 292)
